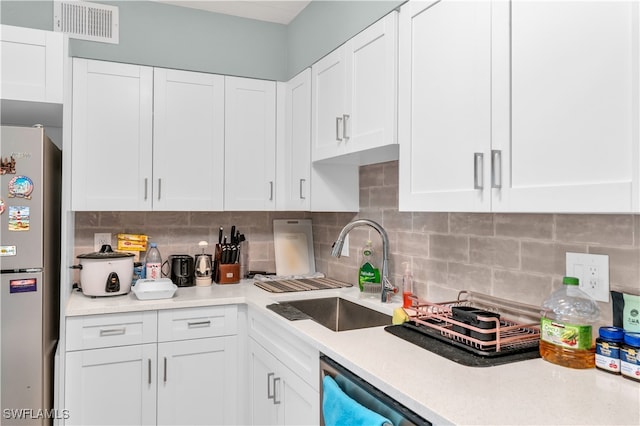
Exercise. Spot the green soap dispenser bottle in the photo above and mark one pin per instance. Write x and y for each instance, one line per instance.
(368, 272)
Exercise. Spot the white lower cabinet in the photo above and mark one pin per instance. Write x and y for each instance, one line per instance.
(181, 381)
(279, 396)
(197, 383)
(111, 386)
(283, 375)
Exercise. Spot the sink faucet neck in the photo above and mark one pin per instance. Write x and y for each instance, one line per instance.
(387, 288)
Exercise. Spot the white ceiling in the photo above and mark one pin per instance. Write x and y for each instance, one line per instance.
(281, 12)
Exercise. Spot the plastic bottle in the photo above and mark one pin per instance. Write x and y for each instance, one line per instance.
(407, 286)
(153, 262)
(368, 273)
(566, 336)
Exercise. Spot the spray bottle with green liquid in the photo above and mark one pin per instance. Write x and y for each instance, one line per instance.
(368, 272)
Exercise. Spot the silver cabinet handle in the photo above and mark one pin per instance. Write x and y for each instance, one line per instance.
(345, 117)
(270, 190)
(338, 122)
(478, 170)
(159, 188)
(146, 187)
(199, 324)
(149, 370)
(112, 331)
(165, 369)
(275, 399)
(270, 395)
(302, 181)
(496, 168)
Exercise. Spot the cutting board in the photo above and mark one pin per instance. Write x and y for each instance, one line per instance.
(293, 241)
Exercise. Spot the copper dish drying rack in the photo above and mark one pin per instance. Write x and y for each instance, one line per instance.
(517, 328)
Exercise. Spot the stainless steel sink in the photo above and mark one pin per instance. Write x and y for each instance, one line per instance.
(335, 313)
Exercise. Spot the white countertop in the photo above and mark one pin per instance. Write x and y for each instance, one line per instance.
(442, 391)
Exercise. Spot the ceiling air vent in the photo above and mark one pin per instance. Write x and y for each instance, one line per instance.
(86, 21)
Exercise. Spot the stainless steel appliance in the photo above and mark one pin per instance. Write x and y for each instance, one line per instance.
(30, 271)
(366, 395)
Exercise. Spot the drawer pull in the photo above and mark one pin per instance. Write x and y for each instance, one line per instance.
(149, 370)
(275, 400)
(165, 369)
(478, 170)
(496, 168)
(199, 324)
(338, 124)
(270, 395)
(112, 331)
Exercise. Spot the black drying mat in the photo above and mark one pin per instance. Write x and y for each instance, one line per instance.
(302, 284)
(457, 354)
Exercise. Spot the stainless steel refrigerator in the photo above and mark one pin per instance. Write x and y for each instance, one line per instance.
(30, 272)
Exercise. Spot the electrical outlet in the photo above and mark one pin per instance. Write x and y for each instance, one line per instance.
(99, 239)
(593, 272)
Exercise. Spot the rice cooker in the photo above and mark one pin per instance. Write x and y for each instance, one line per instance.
(105, 273)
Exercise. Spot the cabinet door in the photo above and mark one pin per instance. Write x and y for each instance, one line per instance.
(197, 383)
(262, 369)
(301, 402)
(328, 85)
(372, 61)
(445, 106)
(574, 78)
(250, 144)
(111, 386)
(188, 141)
(297, 143)
(31, 64)
(111, 136)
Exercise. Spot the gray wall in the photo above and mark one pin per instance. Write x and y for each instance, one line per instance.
(162, 35)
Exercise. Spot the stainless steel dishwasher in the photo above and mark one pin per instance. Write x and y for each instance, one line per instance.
(367, 395)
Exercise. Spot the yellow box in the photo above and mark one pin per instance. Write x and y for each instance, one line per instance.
(127, 245)
(133, 237)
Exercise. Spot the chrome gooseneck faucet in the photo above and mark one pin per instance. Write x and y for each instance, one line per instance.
(387, 288)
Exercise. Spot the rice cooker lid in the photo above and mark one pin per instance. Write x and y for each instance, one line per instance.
(106, 252)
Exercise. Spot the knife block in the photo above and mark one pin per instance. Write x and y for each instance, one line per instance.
(225, 273)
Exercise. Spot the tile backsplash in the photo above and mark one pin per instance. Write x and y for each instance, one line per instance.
(513, 256)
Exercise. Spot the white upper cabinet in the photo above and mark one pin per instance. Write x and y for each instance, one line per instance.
(188, 141)
(294, 149)
(146, 139)
(574, 106)
(445, 105)
(519, 106)
(250, 144)
(31, 67)
(354, 94)
(112, 135)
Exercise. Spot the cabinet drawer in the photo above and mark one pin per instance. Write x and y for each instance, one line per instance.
(196, 323)
(300, 357)
(101, 331)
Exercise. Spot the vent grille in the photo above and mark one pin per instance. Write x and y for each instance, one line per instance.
(86, 21)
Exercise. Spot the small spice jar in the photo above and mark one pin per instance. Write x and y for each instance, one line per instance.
(630, 356)
(608, 349)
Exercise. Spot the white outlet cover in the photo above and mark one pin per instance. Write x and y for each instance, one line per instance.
(99, 239)
(593, 272)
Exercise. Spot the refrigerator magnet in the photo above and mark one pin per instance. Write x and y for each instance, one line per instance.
(8, 251)
(1, 206)
(24, 285)
(21, 187)
(8, 165)
(19, 217)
